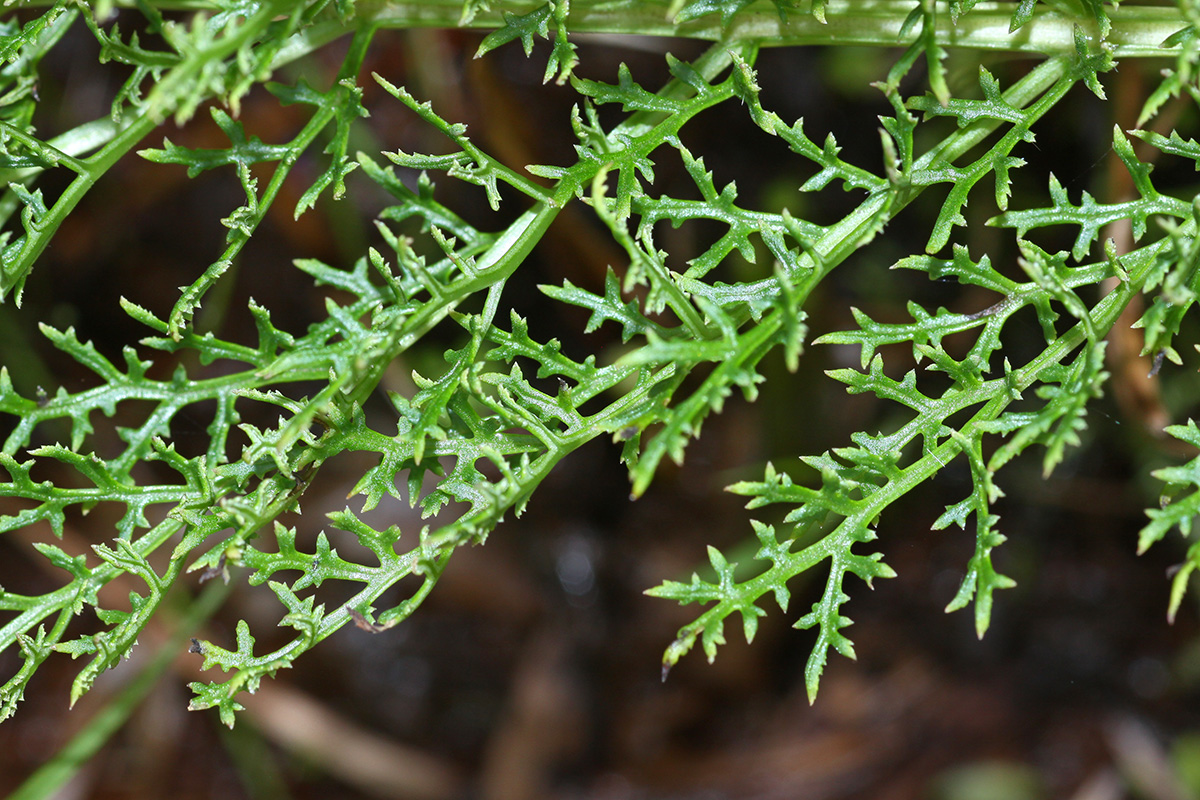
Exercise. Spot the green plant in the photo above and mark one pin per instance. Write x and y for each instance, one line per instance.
(486, 424)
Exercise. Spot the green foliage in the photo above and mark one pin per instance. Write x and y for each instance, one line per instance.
(487, 423)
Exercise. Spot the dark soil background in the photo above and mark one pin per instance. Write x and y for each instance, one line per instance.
(533, 670)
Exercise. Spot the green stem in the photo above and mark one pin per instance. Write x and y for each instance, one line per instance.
(1137, 31)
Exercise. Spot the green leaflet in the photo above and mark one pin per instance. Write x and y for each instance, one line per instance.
(1091, 216)
(1179, 506)
(525, 27)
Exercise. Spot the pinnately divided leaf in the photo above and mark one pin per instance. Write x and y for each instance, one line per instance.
(448, 324)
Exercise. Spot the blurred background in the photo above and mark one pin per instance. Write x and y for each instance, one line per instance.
(533, 670)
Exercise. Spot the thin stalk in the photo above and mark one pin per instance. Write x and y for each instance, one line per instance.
(1137, 31)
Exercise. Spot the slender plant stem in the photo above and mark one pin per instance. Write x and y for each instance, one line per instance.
(1137, 30)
